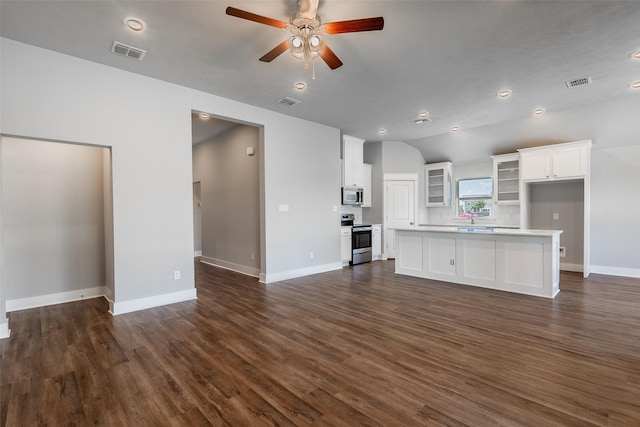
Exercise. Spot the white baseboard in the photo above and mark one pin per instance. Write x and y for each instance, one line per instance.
(243, 269)
(116, 308)
(615, 271)
(571, 267)
(57, 298)
(4, 329)
(197, 253)
(292, 274)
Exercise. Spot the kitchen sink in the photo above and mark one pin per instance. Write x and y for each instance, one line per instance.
(477, 229)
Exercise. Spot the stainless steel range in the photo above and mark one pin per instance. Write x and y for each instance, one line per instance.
(360, 240)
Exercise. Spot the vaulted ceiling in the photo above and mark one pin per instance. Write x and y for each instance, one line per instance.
(447, 58)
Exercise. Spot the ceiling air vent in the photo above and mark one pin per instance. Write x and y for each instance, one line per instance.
(579, 82)
(128, 51)
(289, 101)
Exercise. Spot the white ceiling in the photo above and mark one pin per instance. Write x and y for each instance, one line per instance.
(449, 58)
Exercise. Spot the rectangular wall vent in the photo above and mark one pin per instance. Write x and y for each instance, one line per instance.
(128, 51)
(289, 101)
(579, 82)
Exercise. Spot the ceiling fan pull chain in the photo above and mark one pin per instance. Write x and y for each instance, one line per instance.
(313, 70)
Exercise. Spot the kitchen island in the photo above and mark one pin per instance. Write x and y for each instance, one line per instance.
(514, 260)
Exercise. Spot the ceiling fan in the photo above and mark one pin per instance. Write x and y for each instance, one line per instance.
(307, 42)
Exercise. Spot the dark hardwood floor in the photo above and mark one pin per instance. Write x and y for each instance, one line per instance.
(359, 346)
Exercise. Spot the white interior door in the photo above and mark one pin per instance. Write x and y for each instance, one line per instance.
(400, 211)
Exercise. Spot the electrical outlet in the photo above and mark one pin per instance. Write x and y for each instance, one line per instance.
(563, 252)
(176, 275)
(310, 255)
(555, 215)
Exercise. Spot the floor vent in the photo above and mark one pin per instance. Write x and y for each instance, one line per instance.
(128, 51)
(289, 101)
(579, 82)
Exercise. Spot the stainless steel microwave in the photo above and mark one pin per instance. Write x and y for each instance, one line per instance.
(352, 195)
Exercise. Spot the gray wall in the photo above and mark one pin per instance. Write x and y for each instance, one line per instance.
(565, 198)
(615, 208)
(230, 194)
(388, 157)
(53, 217)
(147, 125)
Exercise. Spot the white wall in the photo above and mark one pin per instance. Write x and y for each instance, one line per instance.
(147, 124)
(230, 195)
(615, 210)
(53, 218)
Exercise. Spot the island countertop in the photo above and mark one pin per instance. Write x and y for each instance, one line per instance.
(480, 229)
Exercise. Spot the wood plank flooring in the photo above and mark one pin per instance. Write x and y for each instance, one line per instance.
(358, 346)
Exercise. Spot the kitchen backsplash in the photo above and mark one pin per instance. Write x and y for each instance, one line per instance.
(508, 215)
(355, 210)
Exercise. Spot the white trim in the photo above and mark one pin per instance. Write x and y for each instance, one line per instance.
(197, 253)
(243, 269)
(292, 274)
(616, 271)
(57, 298)
(117, 308)
(571, 267)
(4, 330)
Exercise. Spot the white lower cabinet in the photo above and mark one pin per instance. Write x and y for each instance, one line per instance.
(376, 241)
(345, 234)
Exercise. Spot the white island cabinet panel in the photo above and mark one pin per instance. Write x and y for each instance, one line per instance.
(522, 261)
(524, 264)
(411, 256)
(479, 259)
(441, 255)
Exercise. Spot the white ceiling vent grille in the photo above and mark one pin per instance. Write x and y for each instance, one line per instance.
(289, 101)
(579, 82)
(128, 51)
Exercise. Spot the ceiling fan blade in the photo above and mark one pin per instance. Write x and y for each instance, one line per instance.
(354, 26)
(330, 58)
(309, 8)
(275, 52)
(232, 11)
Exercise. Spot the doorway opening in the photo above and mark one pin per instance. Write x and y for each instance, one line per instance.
(57, 221)
(227, 189)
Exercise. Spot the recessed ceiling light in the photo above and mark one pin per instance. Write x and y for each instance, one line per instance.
(382, 131)
(300, 85)
(538, 111)
(135, 24)
(204, 116)
(635, 85)
(423, 115)
(455, 128)
(504, 93)
(636, 54)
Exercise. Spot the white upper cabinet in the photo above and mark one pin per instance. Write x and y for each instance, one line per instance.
(352, 155)
(561, 161)
(438, 184)
(506, 176)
